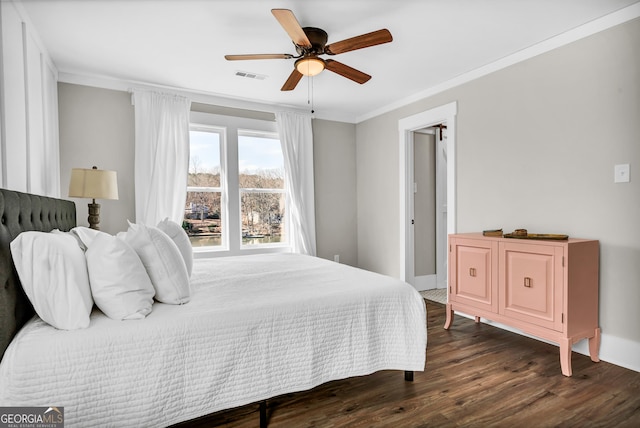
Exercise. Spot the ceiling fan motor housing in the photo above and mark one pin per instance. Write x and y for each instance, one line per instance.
(318, 38)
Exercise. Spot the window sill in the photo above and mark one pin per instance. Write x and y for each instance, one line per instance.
(210, 252)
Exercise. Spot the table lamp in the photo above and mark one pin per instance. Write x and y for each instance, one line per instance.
(94, 184)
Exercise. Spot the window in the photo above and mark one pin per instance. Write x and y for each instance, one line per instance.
(236, 188)
(203, 215)
(261, 184)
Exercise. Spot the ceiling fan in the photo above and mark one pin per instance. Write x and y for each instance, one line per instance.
(310, 43)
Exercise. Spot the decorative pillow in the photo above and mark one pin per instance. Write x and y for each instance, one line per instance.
(163, 262)
(53, 273)
(179, 236)
(119, 282)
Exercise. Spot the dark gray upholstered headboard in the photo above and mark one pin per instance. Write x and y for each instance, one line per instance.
(21, 212)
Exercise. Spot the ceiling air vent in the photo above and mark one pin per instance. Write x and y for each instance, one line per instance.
(250, 75)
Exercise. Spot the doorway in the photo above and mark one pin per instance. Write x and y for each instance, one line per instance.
(411, 130)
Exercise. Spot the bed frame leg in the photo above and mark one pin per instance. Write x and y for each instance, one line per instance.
(408, 376)
(263, 414)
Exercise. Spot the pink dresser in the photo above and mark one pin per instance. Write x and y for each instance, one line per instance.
(545, 288)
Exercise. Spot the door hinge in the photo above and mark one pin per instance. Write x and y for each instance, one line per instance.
(562, 261)
(413, 222)
(562, 319)
(449, 247)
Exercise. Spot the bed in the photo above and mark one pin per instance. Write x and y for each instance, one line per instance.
(256, 327)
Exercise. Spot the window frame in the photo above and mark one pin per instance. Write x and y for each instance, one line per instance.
(230, 208)
(265, 135)
(223, 188)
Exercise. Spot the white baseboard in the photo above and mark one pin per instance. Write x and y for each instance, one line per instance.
(424, 282)
(615, 350)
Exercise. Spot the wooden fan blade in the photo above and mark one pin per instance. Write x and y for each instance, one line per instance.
(363, 41)
(346, 71)
(288, 20)
(257, 56)
(292, 81)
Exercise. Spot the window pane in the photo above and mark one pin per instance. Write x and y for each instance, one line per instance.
(262, 217)
(261, 166)
(202, 219)
(204, 162)
(260, 163)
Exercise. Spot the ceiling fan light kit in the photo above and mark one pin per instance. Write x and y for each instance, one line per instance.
(310, 42)
(310, 66)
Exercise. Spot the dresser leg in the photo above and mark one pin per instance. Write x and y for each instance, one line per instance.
(594, 346)
(565, 356)
(449, 320)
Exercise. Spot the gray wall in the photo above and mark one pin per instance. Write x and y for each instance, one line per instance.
(334, 152)
(97, 128)
(536, 147)
(424, 159)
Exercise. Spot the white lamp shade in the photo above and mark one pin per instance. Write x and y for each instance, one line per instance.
(93, 183)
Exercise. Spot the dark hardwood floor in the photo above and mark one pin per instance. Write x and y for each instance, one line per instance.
(476, 376)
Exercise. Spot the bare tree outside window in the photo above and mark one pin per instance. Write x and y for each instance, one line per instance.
(261, 182)
(202, 214)
(260, 190)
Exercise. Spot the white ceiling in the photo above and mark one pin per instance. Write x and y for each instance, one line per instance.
(182, 43)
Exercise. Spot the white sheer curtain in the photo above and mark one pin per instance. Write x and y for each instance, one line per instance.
(161, 156)
(296, 138)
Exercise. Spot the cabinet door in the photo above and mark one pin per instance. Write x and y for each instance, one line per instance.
(473, 273)
(531, 283)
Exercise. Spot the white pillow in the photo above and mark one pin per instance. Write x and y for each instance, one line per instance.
(179, 236)
(83, 235)
(163, 262)
(119, 282)
(53, 273)
(86, 235)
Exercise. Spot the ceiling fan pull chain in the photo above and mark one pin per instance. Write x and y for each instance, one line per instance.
(310, 92)
(312, 110)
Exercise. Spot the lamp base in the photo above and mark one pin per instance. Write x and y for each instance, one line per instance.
(94, 216)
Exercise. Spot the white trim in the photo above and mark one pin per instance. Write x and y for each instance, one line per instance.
(615, 350)
(3, 136)
(27, 105)
(424, 282)
(33, 32)
(597, 25)
(406, 126)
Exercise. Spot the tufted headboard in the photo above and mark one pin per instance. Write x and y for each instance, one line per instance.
(21, 212)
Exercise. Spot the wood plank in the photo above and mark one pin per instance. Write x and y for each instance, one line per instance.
(476, 375)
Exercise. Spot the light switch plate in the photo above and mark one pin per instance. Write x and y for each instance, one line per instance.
(621, 173)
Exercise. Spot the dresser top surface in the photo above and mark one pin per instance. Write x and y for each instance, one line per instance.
(479, 235)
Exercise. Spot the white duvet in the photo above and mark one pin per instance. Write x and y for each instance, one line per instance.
(256, 327)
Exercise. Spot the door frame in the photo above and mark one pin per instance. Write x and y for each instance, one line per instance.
(406, 126)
